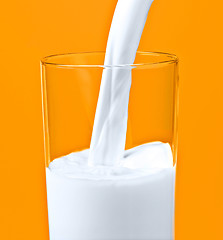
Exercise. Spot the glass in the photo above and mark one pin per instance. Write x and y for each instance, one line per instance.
(80, 208)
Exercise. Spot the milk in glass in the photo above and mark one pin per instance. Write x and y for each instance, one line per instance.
(107, 192)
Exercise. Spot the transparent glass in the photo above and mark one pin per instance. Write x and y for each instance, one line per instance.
(81, 208)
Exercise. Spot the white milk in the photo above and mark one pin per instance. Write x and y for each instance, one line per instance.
(106, 193)
(134, 201)
(109, 132)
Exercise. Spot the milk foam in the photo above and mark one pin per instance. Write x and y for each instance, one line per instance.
(110, 124)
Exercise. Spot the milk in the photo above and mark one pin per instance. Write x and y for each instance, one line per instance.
(109, 131)
(105, 192)
(134, 201)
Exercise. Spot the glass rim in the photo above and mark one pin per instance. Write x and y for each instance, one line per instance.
(170, 59)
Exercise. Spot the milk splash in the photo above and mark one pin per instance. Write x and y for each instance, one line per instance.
(110, 124)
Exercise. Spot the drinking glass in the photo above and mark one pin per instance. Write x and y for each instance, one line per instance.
(82, 209)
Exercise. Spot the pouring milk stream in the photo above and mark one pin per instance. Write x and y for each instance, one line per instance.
(110, 124)
(106, 193)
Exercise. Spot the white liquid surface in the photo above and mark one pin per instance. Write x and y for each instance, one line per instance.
(133, 201)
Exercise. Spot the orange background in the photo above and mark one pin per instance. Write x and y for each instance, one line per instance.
(33, 29)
